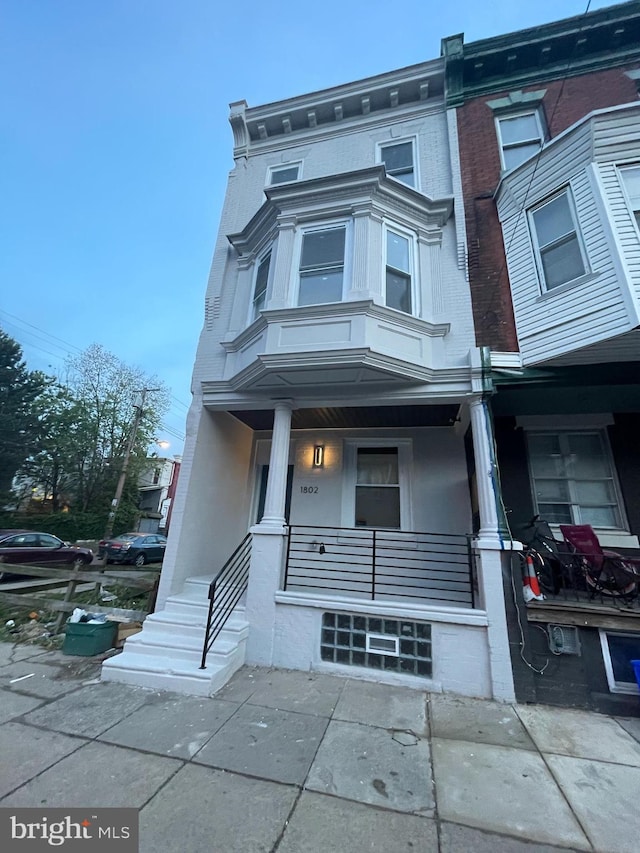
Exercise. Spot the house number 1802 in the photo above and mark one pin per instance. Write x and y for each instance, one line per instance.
(309, 490)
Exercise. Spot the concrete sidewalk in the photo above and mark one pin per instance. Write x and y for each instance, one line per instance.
(307, 763)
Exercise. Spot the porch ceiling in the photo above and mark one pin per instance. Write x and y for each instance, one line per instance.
(354, 417)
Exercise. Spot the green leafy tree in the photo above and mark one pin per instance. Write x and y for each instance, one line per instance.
(110, 400)
(20, 424)
(102, 411)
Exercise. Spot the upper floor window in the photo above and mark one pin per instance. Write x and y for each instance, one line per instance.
(284, 173)
(399, 161)
(572, 478)
(556, 240)
(322, 266)
(398, 281)
(631, 180)
(260, 288)
(520, 136)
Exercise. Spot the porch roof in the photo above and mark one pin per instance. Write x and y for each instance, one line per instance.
(354, 417)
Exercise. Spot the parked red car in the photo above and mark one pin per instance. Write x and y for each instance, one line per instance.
(31, 548)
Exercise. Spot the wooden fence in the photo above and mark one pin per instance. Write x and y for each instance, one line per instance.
(143, 581)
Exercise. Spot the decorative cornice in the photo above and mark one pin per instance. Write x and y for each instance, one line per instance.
(396, 91)
(605, 38)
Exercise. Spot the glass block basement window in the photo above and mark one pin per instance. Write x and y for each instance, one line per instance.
(393, 645)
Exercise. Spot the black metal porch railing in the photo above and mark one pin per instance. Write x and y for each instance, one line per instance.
(225, 591)
(570, 581)
(384, 565)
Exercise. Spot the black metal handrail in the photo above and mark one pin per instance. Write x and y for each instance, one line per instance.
(569, 579)
(389, 564)
(225, 591)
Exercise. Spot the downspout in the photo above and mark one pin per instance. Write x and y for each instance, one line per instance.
(488, 390)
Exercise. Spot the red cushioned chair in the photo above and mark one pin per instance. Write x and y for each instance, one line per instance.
(605, 571)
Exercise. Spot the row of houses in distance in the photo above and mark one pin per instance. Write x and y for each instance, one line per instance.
(421, 330)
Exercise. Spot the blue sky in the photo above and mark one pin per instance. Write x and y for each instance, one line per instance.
(116, 149)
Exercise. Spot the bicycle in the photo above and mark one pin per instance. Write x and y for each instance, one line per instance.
(543, 553)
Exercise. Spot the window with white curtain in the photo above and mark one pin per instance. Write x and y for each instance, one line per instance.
(377, 487)
(572, 478)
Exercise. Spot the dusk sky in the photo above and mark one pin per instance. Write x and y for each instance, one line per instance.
(116, 148)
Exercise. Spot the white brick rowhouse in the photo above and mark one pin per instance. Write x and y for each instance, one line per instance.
(338, 413)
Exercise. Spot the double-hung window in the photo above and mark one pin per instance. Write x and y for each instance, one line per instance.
(572, 478)
(377, 487)
(631, 180)
(322, 266)
(398, 159)
(520, 137)
(398, 273)
(556, 240)
(285, 173)
(260, 288)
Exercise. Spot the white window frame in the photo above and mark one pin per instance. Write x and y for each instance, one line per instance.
(278, 167)
(413, 266)
(326, 225)
(405, 470)
(389, 143)
(522, 142)
(574, 506)
(538, 251)
(628, 687)
(260, 259)
(634, 204)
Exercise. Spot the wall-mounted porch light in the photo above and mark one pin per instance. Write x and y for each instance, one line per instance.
(318, 456)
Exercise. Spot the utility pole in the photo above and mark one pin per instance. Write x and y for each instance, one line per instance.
(125, 462)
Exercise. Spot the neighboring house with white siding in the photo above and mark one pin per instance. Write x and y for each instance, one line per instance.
(549, 127)
(338, 447)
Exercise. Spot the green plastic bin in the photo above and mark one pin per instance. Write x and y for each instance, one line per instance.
(89, 639)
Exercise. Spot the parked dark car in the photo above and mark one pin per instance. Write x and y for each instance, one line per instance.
(136, 548)
(32, 548)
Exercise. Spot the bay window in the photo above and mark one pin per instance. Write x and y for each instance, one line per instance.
(556, 240)
(321, 270)
(260, 288)
(631, 181)
(398, 273)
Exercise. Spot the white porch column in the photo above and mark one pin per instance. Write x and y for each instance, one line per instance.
(274, 502)
(492, 552)
(486, 473)
(267, 548)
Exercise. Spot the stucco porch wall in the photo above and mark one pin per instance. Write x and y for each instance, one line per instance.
(435, 490)
(459, 644)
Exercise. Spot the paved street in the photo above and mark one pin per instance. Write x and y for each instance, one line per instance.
(307, 763)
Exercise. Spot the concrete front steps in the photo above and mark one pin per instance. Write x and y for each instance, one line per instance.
(166, 654)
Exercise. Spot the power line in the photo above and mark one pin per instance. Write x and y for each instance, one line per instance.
(67, 348)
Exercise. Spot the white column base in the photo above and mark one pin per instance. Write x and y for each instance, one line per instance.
(265, 575)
